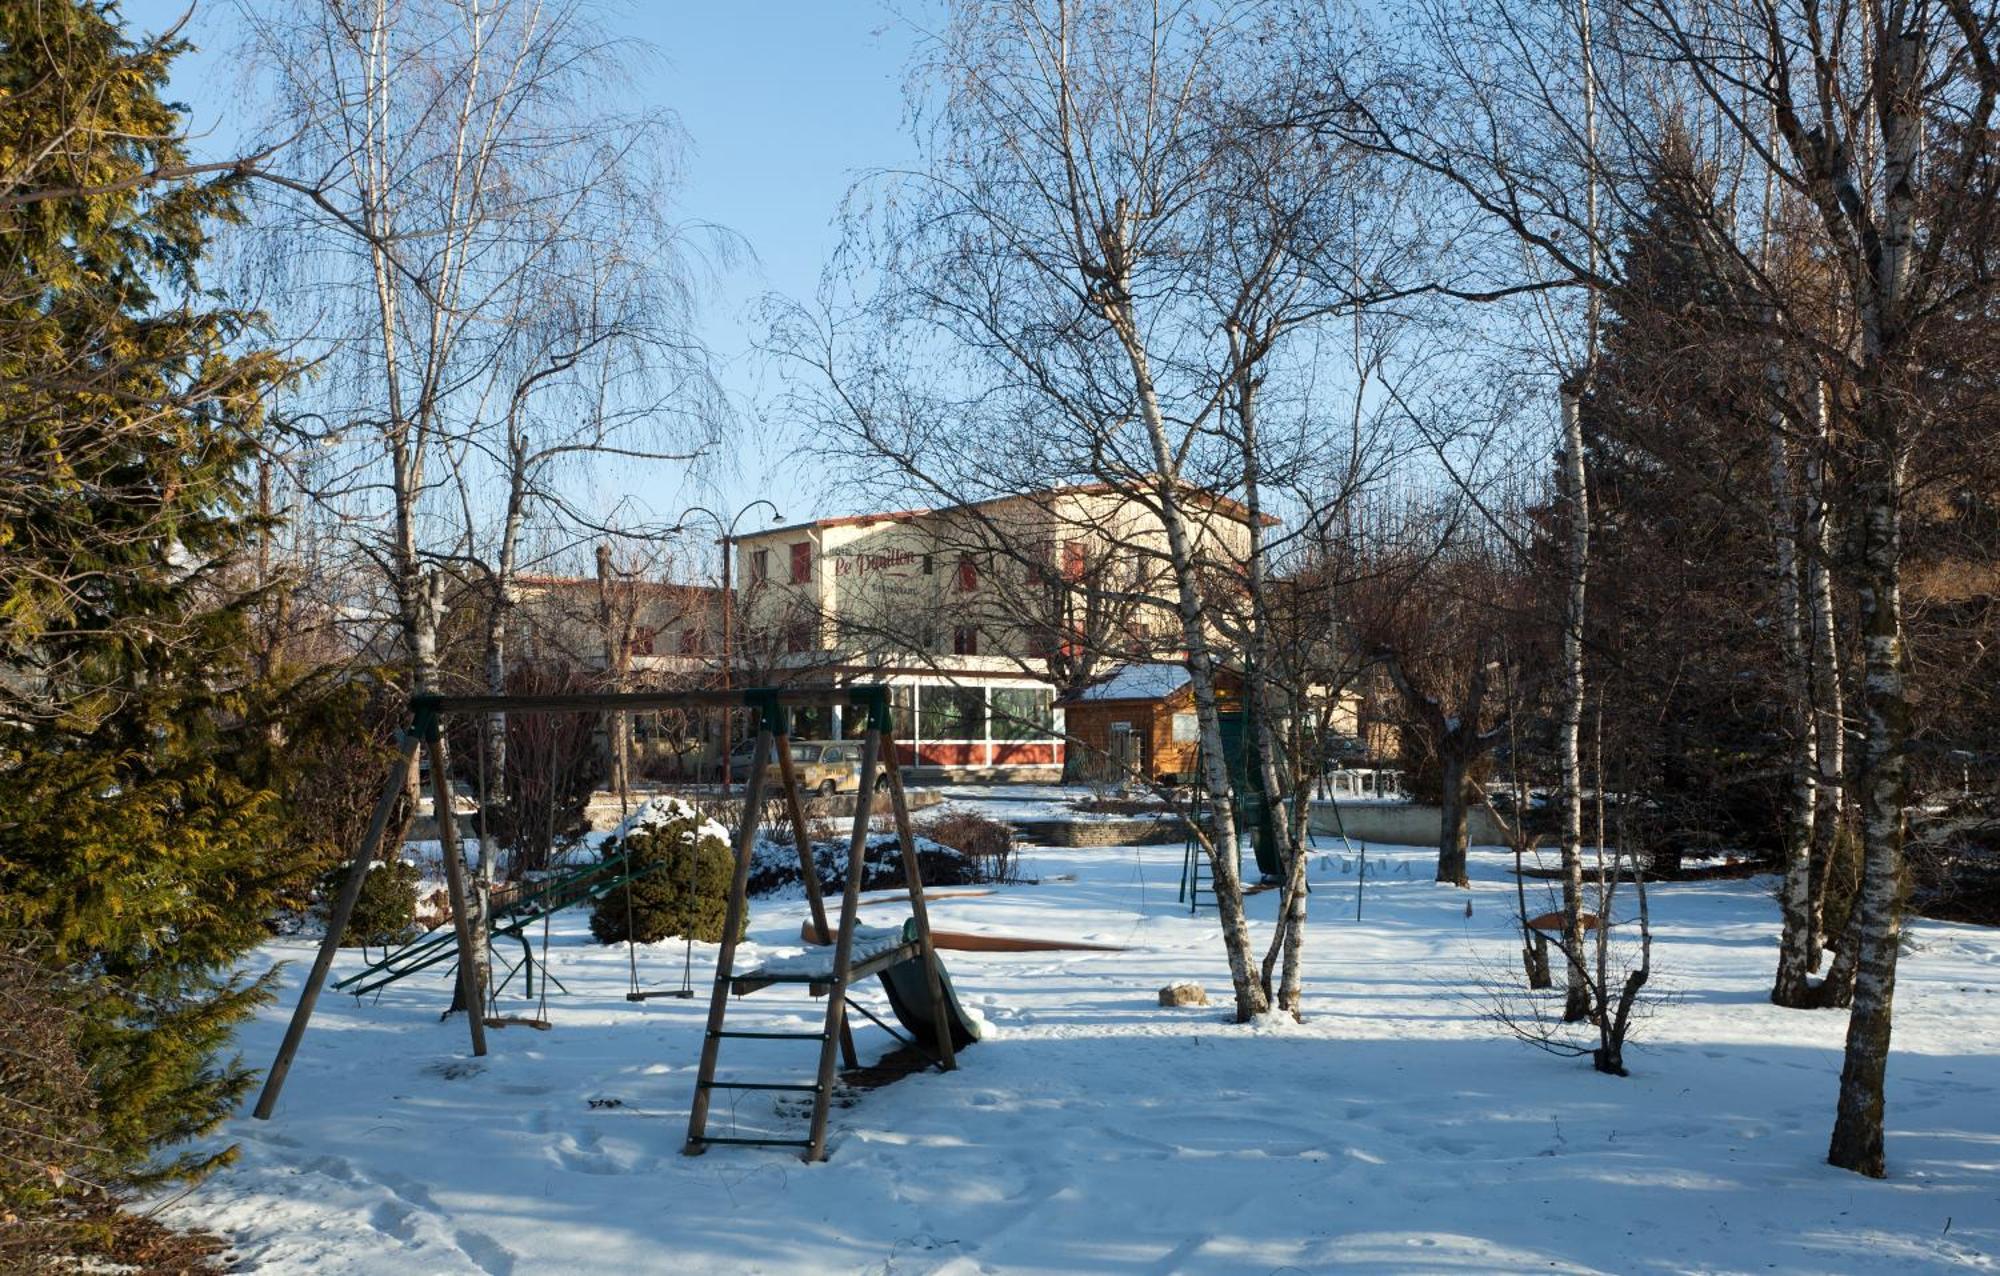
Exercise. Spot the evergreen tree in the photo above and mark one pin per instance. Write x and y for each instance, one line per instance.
(137, 760)
(1676, 460)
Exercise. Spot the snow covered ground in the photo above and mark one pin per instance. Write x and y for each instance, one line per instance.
(1397, 1130)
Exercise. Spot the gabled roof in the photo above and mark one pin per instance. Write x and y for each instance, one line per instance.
(1150, 680)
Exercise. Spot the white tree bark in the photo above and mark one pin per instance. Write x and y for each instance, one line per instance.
(1228, 887)
(1569, 711)
(1857, 1142)
(1828, 693)
(1792, 986)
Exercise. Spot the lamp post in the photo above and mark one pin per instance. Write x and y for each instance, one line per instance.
(728, 530)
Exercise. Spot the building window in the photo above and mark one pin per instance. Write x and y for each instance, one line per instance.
(968, 574)
(798, 637)
(1187, 729)
(965, 641)
(1073, 560)
(1040, 563)
(802, 562)
(953, 713)
(642, 641)
(1026, 713)
(929, 565)
(760, 566)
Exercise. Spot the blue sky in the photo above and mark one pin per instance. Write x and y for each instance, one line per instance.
(785, 104)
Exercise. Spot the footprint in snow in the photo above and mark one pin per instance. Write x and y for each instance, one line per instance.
(393, 1218)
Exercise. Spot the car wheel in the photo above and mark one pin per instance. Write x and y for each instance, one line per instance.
(826, 788)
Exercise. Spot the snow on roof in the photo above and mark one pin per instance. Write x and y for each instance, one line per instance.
(1155, 681)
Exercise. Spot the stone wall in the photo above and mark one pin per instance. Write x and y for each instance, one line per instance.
(1400, 823)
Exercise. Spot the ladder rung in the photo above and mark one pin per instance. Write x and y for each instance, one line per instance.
(771, 1036)
(758, 1085)
(752, 1143)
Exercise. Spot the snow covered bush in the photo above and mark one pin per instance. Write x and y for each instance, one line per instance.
(683, 865)
(776, 866)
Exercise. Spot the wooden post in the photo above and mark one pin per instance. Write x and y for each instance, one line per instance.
(788, 773)
(336, 923)
(906, 835)
(843, 948)
(454, 879)
(725, 960)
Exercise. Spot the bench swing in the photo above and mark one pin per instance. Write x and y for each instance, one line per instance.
(920, 993)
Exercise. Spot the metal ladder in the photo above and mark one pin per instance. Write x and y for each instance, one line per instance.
(774, 737)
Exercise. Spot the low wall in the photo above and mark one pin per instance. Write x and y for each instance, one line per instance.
(1136, 832)
(1400, 823)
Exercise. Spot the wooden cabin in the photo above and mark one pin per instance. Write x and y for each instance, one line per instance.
(1140, 721)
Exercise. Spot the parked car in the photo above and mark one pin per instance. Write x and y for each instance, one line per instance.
(739, 762)
(824, 767)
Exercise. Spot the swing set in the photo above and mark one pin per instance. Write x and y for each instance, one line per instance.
(904, 958)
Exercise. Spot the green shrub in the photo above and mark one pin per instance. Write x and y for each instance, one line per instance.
(684, 864)
(386, 910)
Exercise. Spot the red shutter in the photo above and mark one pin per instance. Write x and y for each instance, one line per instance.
(802, 562)
(1073, 564)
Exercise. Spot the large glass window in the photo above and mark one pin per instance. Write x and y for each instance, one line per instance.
(954, 713)
(1025, 713)
(902, 710)
(812, 722)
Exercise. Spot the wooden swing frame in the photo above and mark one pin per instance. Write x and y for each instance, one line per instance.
(773, 705)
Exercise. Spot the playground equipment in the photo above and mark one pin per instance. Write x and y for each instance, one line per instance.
(510, 920)
(919, 991)
(1197, 874)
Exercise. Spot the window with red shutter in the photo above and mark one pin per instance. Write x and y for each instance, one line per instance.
(1073, 560)
(802, 562)
(965, 641)
(968, 574)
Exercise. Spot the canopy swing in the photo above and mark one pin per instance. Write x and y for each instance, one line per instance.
(905, 957)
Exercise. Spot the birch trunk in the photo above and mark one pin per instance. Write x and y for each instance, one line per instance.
(1829, 713)
(617, 647)
(1569, 715)
(1289, 938)
(493, 731)
(1792, 985)
(1857, 1131)
(1228, 887)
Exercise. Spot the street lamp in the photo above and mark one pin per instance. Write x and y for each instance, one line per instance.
(728, 530)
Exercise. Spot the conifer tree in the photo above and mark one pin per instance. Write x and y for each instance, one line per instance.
(137, 818)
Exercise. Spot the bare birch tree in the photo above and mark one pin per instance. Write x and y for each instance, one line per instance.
(1848, 94)
(453, 176)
